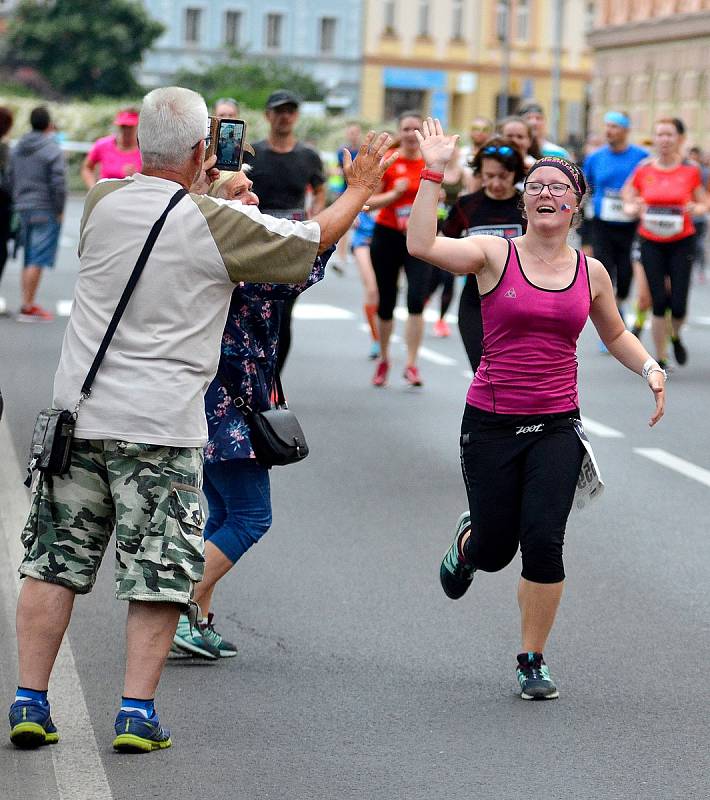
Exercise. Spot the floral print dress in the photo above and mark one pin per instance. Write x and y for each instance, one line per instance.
(248, 357)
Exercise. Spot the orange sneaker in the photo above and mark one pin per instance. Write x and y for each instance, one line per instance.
(34, 314)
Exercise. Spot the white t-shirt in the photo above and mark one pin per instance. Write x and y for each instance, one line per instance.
(151, 383)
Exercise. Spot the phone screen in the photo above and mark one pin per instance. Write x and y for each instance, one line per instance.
(229, 145)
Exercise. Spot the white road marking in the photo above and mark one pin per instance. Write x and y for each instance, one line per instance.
(321, 311)
(598, 429)
(77, 765)
(666, 459)
(430, 315)
(436, 358)
(705, 321)
(67, 241)
(64, 308)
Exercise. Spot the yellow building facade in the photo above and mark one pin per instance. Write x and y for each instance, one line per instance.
(450, 58)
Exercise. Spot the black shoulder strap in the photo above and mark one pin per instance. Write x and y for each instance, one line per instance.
(128, 291)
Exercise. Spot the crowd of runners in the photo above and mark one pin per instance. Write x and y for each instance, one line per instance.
(500, 211)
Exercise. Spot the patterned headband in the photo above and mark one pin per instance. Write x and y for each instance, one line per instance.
(571, 170)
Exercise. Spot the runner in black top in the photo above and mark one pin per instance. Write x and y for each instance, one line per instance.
(494, 210)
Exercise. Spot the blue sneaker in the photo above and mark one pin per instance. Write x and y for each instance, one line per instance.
(31, 725)
(456, 574)
(534, 678)
(136, 734)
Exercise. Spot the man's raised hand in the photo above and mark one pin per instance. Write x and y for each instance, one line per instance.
(369, 166)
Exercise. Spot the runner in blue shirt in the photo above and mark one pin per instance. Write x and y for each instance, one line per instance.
(613, 231)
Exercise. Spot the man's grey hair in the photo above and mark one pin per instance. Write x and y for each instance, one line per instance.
(171, 121)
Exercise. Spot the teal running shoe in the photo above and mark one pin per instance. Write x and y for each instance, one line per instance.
(31, 725)
(192, 640)
(534, 678)
(138, 734)
(209, 634)
(456, 574)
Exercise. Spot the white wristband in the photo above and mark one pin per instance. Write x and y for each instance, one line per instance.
(648, 366)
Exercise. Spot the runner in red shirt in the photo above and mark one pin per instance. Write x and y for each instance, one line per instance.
(389, 250)
(666, 192)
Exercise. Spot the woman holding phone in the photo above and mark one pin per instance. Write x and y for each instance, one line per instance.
(521, 439)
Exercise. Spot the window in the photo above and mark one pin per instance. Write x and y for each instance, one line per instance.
(399, 100)
(193, 20)
(390, 15)
(274, 31)
(232, 28)
(327, 34)
(522, 20)
(457, 20)
(423, 18)
(502, 20)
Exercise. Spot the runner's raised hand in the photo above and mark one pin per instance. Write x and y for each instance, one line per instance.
(437, 148)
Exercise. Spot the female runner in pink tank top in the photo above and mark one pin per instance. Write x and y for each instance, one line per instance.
(520, 450)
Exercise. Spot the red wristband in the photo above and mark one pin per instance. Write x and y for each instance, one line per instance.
(431, 175)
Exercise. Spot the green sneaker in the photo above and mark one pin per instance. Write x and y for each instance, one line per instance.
(534, 678)
(456, 574)
(209, 634)
(191, 640)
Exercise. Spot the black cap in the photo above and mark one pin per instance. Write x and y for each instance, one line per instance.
(282, 97)
(532, 106)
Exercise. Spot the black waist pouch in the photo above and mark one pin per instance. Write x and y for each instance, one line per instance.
(50, 451)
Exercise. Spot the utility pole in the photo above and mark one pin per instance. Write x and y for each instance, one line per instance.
(503, 14)
(558, 27)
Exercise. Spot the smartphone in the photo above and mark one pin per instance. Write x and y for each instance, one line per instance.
(227, 142)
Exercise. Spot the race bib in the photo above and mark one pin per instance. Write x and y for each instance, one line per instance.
(664, 222)
(612, 209)
(403, 213)
(504, 231)
(590, 485)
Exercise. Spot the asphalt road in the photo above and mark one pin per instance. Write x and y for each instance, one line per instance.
(357, 678)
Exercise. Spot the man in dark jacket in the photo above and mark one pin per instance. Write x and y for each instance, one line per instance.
(36, 175)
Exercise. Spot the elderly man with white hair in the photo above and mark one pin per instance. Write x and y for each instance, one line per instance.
(136, 457)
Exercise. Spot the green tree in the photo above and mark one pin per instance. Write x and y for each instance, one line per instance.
(250, 81)
(82, 48)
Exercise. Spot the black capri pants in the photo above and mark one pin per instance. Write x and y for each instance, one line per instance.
(612, 243)
(389, 254)
(674, 259)
(471, 321)
(520, 473)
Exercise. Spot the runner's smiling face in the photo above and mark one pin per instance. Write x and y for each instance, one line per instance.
(546, 211)
(498, 182)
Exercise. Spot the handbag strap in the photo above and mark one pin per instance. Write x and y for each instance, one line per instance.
(127, 292)
(239, 401)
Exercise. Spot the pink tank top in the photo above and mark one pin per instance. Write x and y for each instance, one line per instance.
(529, 362)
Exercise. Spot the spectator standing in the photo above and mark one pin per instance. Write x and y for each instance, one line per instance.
(226, 108)
(480, 131)
(117, 155)
(37, 177)
(282, 169)
(695, 156)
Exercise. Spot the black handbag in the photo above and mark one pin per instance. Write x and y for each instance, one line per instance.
(276, 435)
(50, 451)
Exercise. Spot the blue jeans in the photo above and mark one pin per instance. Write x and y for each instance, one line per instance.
(239, 497)
(40, 237)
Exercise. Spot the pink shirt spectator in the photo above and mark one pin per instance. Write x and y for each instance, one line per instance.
(114, 163)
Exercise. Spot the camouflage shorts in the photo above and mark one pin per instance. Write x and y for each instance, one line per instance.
(149, 493)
